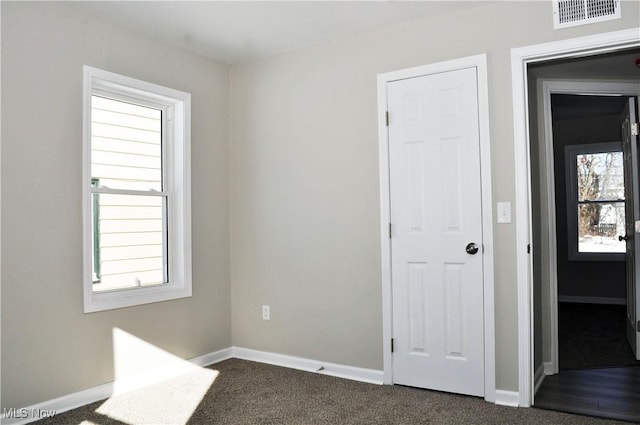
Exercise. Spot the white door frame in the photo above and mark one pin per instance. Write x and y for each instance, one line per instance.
(549, 87)
(480, 63)
(520, 58)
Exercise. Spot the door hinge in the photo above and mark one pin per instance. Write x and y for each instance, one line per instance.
(637, 328)
(392, 347)
(528, 248)
(386, 118)
(634, 127)
(389, 230)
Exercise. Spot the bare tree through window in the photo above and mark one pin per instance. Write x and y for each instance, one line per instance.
(600, 186)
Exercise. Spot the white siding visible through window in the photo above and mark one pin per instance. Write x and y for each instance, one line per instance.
(126, 142)
(129, 228)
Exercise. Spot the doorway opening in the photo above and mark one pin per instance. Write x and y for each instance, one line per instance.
(579, 275)
(529, 338)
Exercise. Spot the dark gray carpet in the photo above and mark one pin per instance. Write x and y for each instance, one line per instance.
(253, 393)
(593, 336)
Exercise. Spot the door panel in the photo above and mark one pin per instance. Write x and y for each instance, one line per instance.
(632, 211)
(435, 186)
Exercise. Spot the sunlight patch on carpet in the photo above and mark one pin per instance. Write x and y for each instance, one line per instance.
(153, 386)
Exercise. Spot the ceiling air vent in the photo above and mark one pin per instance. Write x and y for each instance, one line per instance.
(569, 13)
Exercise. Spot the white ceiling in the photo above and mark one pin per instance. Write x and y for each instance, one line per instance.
(240, 31)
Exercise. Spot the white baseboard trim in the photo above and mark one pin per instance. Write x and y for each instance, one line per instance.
(591, 300)
(47, 408)
(211, 358)
(371, 376)
(58, 405)
(548, 368)
(538, 377)
(507, 398)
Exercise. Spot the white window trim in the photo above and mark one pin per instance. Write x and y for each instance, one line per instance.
(177, 183)
(572, 202)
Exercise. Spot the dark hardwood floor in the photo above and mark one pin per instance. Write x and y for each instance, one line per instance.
(599, 375)
(612, 392)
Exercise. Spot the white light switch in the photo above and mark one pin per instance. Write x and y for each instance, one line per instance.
(504, 212)
(637, 226)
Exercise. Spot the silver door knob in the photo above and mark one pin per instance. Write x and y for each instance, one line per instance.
(471, 248)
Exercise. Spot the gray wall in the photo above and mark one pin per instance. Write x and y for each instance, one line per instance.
(49, 347)
(304, 180)
(537, 235)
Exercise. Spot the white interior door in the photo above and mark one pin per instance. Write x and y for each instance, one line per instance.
(436, 245)
(632, 210)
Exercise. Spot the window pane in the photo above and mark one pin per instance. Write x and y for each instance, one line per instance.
(131, 240)
(126, 145)
(600, 176)
(599, 226)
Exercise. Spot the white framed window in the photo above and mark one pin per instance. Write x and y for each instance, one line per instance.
(595, 201)
(136, 192)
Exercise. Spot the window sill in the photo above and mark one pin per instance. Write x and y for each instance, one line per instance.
(108, 300)
(597, 256)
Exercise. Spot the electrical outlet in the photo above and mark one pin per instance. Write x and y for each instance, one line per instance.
(266, 312)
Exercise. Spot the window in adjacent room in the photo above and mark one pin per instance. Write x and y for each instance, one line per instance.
(595, 201)
(136, 184)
